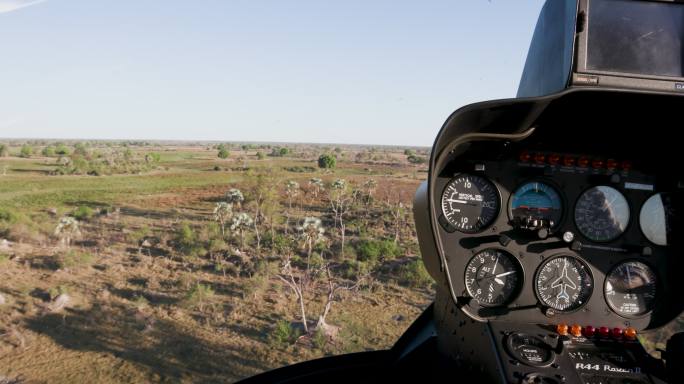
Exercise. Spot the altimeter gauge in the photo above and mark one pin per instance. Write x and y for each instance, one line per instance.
(493, 277)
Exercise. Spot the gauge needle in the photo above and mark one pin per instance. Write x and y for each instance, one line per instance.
(505, 274)
(495, 264)
(457, 201)
(498, 281)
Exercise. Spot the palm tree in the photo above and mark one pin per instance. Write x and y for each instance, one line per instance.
(235, 196)
(240, 224)
(222, 212)
(311, 232)
(67, 229)
(317, 185)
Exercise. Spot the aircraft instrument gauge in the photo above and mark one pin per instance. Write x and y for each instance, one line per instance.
(564, 283)
(470, 203)
(493, 277)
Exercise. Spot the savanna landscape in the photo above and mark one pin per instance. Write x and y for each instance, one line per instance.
(201, 262)
(170, 262)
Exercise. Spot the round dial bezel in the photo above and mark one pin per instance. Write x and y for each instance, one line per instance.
(516, 290)
(484, 226)
(657, 289)
(550, 185)
(546, 262)
(630, 218)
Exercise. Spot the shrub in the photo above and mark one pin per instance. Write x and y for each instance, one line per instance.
(413, 159)
(4, 150)
(74, 259)
(25, 151)
(186, 241)
(260, 155)
(8, 216)
(4, 258)
(414, 274)
(372, 250)
(327, 161)
(284, 334)
(199, 295)
(48, 151)
(319, 339)
(223, 153)
(56, 291)
(83, 213)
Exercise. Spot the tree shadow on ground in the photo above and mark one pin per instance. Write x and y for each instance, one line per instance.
(168, 350)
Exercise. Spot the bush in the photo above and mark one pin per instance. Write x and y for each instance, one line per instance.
(284, 334)
(327, 161)
(372, 250)
(73, 259)
(186, 241)
(4, 258)
(319, 339)
(83, 213)
(260, 155)
(199, 295)
(25, 151)
(414, 274)
(48, 151)
(223, 153)
(413, 159)
(4, 150)
(8, 216)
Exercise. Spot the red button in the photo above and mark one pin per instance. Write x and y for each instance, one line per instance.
(589, 331)
(604, 331)
(617, 333)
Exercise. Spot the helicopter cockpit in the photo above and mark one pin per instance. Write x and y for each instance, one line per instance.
(552, 223)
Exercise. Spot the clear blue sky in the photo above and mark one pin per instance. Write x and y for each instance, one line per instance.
(367, 72)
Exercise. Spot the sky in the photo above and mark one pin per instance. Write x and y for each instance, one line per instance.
(357, 72)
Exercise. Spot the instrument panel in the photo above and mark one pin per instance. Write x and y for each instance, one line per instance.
(536, 235)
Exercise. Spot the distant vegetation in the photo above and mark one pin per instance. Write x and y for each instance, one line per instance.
(276, 252)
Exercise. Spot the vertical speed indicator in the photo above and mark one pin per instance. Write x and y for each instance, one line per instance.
(470, 203)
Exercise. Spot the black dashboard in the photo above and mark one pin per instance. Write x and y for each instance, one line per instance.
(542, 235)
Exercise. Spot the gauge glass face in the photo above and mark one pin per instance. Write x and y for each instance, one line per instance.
(631, 289)
(564, 283)
(536, 201)
(530, 350)
(493, 277)
(470, 203)
(602, 214)
(653, 219)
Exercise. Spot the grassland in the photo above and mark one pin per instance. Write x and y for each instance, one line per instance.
(150, 290)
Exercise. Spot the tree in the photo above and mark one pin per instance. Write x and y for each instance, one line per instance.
(327, 161)
(235, 196)
(241, 223)
(222, 213)
(340, 203)
(25, 151)
(369, 186)
(67, 229)
(317, 185)
(4, 150)
(223, 153)
(291, 191)
(48, 151)
(311, 232)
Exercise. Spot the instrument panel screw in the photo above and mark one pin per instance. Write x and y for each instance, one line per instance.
(568, 237)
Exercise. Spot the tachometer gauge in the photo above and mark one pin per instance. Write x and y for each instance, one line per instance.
(470, 203)
(493, 277)
(631, 289)
(535, 202)
(653, 219)
(564, 283)
(602, 214)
